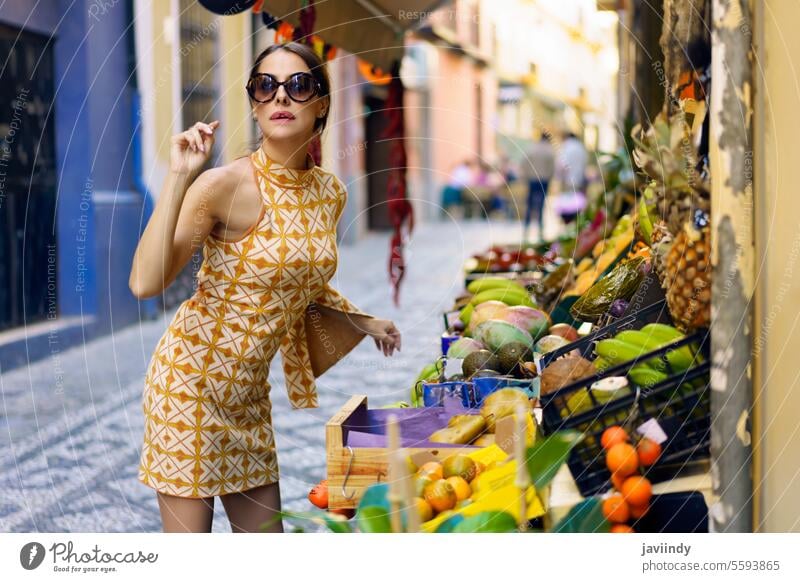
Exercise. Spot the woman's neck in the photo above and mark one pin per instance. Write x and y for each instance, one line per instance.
(290, 155)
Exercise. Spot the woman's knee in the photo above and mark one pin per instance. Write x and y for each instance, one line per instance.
(185, 514)
(254, 510)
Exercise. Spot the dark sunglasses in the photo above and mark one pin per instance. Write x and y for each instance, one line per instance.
(300, 87)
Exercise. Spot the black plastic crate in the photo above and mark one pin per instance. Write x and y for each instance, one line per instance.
(680, 404)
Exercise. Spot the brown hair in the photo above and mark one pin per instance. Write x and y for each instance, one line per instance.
(315, 65)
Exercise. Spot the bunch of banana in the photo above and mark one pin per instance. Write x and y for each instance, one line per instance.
(432, 371)
(486, 289)
(487, 283)
(631, 345)
(508, 291)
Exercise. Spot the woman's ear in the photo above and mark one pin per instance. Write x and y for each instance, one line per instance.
(324, 103)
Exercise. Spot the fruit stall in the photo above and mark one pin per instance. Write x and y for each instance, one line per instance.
(570, 388)
(570, 391)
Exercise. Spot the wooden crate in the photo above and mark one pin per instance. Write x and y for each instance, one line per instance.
(352, 470)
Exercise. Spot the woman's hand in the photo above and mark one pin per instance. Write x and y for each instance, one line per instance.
(385, 334)
(191, 149)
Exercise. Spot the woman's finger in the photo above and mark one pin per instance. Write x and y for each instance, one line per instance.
(198, 138)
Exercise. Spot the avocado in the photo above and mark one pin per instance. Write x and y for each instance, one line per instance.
(479, 360)
(511, 354)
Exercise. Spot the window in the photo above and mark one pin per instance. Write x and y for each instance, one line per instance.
(199, 55)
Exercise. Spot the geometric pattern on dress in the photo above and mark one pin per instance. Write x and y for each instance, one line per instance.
(208, 424)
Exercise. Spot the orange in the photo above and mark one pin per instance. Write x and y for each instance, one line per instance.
(617, 481)
(440, 495)
(622, 460)
(637, 511)
(434, 468)
(461, 487)
(612, 436)
(459, 465)
(424, 509)
(621, 528)
(648, 451)
(637, 491)
(616, 510)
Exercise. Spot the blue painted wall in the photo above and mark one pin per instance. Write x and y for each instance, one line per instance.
(99, 210)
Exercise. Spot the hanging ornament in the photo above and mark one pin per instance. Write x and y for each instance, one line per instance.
(373, 74)
(330, 52)
(284, 33)
(270, 21)
(226, 7)
(308, 14)
(401, 213)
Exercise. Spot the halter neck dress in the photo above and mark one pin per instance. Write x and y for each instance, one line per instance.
(208, 424)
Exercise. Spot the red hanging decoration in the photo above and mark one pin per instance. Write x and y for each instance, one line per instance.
(305, 34)
(400, 210)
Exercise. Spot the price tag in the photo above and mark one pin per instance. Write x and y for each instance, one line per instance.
(452, 367)
(652, 430)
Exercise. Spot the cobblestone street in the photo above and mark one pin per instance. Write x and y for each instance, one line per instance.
(72, 424)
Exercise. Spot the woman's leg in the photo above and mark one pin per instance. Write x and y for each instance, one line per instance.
(186, 515)
(248, 510)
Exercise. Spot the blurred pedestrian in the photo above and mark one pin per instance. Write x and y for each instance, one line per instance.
(537, 169)
(461, 178)
(571, 173)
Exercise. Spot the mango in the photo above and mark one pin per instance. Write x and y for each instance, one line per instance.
(463, 347)
(494, 333)
(485, 311)
(531, 320)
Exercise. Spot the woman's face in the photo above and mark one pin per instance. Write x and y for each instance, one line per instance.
(283, 118)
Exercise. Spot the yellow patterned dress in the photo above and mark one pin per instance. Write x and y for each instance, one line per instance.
(208, 426)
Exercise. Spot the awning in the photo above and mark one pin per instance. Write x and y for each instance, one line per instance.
(370, 29)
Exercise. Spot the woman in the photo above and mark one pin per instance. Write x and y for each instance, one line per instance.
(267, 223)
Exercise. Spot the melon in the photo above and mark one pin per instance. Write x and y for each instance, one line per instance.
(495, 333)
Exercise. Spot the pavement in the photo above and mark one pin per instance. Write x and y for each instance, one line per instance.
(71, 425)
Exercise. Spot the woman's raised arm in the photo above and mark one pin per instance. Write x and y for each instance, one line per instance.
(183, 217)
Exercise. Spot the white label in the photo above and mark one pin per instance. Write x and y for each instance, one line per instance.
(652, 430)
(452, 367)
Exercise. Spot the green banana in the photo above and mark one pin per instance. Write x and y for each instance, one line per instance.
(508, 296)
(645, 224)
(680, 359)
(486, 283)
(645, 376)
(466, 313)
(618, 352)
(640, 338)
(601, 364)
(666, 333)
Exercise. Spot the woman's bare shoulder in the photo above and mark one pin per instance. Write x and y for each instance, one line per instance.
(220, 185)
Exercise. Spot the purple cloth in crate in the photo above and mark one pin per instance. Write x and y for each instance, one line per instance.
(416, 425)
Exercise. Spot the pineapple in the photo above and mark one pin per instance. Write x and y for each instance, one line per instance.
(689, 265)
(678, 200)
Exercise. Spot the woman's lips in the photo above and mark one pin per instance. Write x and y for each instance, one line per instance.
(281, 117)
